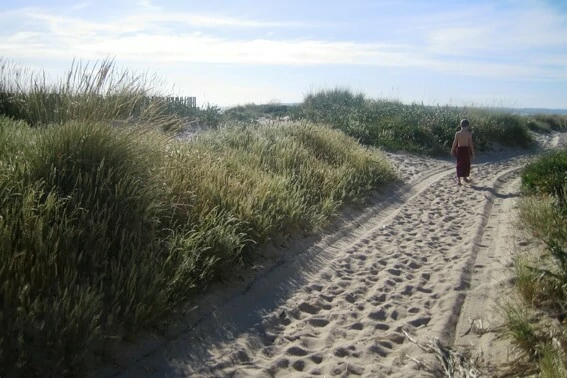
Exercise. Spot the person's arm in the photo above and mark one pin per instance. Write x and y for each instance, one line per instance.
(472, 146)
(454, 146)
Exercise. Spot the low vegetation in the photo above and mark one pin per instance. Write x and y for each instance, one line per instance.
(414, 128)
(537, 325)
(546, 123)
(251, 113)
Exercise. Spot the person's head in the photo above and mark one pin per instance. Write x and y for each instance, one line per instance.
(464, 123)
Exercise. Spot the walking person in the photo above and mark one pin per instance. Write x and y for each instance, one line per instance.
(463, 150)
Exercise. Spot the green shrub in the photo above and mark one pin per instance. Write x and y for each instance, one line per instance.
(553, 122)
(77, 230)
(541, 277)
(538, 126)
(505, 129)
(265, 174)
(547, 175)
(332, 107)
(250, 113)
(551, 363)
(414, 128)
(522, 329)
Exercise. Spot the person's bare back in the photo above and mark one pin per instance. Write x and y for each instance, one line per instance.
(463, 150)
(463, 138)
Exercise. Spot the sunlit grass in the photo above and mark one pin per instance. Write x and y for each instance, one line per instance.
(89, 92)
(541, 276)
(106, 230)
(414, 128)
(522, 330)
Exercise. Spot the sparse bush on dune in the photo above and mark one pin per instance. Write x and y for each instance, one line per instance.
(332, 106)
(251, 113)
(505, 129)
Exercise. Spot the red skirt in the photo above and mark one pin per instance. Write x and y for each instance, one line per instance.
(464, 161)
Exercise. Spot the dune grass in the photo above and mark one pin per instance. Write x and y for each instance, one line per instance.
(414, 128)
(547, 175)
(546, 123)
(88, 92)
(541, 277)
(300, 166)
(106, 229)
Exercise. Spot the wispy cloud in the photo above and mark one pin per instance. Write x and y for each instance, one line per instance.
(147, 5)
(472, 42)
(82, 5)
(204, 20)
(489, 30)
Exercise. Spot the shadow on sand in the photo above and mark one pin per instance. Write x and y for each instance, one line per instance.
(495, 192)
(244, 306)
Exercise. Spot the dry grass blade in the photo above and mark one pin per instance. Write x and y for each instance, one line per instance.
(455, 364)
(519, 368)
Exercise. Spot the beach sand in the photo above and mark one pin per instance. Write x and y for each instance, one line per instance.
(426, 259)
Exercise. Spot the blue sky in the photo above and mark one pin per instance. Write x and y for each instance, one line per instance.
(482, 53)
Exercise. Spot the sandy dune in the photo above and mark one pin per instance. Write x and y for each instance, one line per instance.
(428, 258)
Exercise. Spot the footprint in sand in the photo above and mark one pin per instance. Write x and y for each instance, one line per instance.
(357, 326)
(394, 272)
(379, 315)
(347, 315)
(318, 322)
(308, 308)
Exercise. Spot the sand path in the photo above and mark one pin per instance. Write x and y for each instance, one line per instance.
(428, 258)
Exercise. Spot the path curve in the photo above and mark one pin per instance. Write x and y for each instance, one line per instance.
(341, 305)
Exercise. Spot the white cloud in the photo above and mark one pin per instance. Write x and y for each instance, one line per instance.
(483, 46)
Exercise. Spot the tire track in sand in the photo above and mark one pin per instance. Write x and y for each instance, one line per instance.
(402, 266)
(349, 321)
(221, 318)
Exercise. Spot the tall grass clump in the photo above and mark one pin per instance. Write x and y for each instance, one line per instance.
(280, 179)
(106, 230)
(89, 92)
(502, 128)
(547, 175)
(541, 277)
(81, 223)
(414, 128)
(332, 106)
(547, 123)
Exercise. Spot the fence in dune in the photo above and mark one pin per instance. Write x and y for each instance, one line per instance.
(180, 106)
